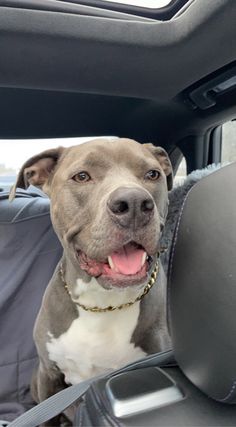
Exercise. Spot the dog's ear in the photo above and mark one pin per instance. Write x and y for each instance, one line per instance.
(37, 170)
(164, 161)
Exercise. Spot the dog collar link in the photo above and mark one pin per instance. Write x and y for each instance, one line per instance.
(96, 309)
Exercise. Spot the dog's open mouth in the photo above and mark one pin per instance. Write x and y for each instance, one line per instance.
(126, 266)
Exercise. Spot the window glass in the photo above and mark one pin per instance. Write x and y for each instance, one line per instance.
(153, 4)
(228, 153)
(181, 172)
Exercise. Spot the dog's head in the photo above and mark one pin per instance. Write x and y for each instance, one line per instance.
(108, 205)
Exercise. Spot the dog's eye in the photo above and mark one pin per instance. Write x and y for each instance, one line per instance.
(152, 175)
(82, 177)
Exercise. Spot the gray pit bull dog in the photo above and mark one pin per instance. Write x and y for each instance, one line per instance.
(103, 307)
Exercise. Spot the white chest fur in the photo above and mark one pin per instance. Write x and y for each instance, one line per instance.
(97, 342)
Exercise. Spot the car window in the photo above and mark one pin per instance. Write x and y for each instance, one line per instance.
(228, 153)
(15, 152)
(181, 172)
(155, 4)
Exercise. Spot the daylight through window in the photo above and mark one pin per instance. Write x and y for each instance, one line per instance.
(152, 4)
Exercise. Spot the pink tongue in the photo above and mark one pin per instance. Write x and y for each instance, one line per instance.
(128, 260)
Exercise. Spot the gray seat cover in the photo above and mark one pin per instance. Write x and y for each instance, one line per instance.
(29, 252)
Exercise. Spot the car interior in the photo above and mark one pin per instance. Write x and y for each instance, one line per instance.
(165, 75)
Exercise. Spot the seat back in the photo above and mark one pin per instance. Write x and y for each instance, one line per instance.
(29, 252)
(202, 285)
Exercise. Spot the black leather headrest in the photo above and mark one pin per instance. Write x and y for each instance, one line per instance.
(202, 285)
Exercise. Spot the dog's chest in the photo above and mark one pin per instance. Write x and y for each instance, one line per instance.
(96, 343)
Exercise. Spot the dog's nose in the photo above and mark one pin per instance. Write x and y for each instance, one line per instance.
(130, 207)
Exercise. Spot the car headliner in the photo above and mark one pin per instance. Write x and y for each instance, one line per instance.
(64, 74)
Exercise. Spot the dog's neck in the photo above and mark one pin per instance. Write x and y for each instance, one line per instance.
(91, 296)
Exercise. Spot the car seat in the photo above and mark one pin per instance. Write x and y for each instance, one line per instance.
(29, 252)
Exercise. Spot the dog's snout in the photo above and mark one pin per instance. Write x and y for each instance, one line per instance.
(130, 207)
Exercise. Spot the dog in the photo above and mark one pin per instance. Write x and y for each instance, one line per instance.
(105, 305)
(37, 173)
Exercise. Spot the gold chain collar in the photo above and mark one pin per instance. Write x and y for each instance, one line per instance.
(96, 309)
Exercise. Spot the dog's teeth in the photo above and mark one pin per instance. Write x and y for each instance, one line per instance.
(144, 257)
(110, 262)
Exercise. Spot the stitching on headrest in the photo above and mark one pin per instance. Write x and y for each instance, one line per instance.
(229, 395)
(173, 251)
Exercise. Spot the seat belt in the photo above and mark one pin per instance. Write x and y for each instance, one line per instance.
(57, 403)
